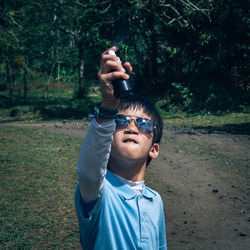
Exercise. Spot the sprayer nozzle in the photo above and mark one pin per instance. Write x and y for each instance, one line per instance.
(111, 52)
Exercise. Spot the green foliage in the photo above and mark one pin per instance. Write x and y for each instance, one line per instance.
(183, 94)
(161, 106)
(193, 54)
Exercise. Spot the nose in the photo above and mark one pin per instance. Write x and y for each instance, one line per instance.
(132, 128)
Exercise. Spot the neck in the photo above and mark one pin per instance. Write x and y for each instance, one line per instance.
(133, 171)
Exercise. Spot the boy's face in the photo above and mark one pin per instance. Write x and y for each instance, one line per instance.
(130, 143)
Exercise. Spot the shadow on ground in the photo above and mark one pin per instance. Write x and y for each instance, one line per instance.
(48, 109)
(239, 129)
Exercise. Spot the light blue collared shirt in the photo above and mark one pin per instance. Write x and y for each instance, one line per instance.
(121, 219)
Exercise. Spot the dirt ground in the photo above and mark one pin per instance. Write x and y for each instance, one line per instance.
(201, 177)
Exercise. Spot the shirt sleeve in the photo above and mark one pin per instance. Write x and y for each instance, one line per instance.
(93, 159)
(88, 219)
(162, 231)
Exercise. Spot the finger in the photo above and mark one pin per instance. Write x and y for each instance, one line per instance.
(128, 67)
(109, 77)
(107, 57)
(112, 66)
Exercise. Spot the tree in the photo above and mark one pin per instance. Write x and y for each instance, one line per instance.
(81, 22)
(9, 40)
(179, 49)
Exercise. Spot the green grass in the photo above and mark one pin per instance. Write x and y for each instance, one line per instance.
(38, 179)
(209, 120)
(228, 122)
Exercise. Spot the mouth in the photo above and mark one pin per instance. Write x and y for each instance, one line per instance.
(130, 140)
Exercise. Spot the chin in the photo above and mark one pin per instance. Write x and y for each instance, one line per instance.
(129, 154)
(130, 151)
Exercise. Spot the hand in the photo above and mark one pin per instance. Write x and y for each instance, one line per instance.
(110, 69)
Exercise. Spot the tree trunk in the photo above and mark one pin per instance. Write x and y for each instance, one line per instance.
(138, 59)
(81, 88)
(25, 80)
(46, 84)
(8, 73)
(153, 60)
(177, 66)
(58, 73)
(57, 58)
(151, 42)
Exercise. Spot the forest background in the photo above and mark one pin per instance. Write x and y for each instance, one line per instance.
(187, 56)
(191, 58)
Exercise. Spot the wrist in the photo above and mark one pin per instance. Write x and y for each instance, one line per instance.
(106, 113)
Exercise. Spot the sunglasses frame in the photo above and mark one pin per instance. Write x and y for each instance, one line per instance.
(135, 119)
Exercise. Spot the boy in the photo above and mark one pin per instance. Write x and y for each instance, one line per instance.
(115, 210)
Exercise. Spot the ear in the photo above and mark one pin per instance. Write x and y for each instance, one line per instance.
(154, 151)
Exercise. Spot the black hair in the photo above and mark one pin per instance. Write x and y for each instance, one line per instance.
(140, 102)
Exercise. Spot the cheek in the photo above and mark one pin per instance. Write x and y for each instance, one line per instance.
(147, 141)
(116, 137)
(113, 145)
(147, 147)
(116, 140)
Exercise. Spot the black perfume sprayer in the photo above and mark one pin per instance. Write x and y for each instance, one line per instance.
(122, 88)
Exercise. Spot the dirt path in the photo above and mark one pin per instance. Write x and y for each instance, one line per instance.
(201, 179)
(208, 203)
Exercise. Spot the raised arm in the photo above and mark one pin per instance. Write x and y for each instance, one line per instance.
(95, 150)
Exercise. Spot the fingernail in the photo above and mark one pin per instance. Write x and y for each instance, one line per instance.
(126, 76)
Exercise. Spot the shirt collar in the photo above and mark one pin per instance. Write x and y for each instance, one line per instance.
(148, 193)
(126, 191)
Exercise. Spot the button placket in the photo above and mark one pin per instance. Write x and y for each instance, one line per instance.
(142, 219)
(144, 234)
(139, 197)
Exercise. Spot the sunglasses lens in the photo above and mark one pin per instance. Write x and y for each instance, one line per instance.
(122, 121)
(145, 125)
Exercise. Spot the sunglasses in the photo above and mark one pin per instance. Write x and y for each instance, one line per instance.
(143, 124)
